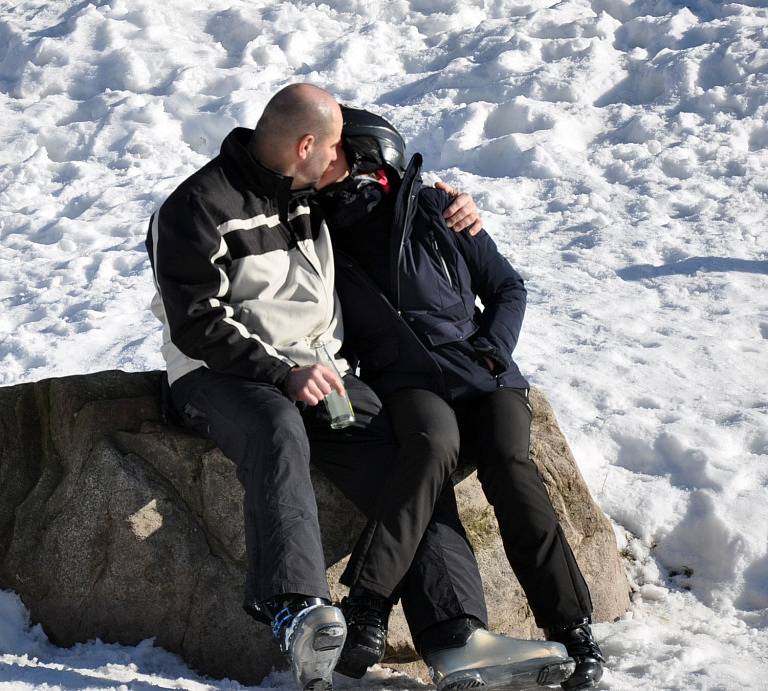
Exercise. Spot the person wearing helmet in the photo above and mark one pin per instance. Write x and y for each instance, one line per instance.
(445, 372)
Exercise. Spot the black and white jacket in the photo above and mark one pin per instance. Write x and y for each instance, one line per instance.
(244, 271)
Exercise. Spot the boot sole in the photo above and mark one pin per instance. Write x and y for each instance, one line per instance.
(526, 675)
(318, 644)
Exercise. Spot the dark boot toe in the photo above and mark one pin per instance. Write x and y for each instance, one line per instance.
(588, 673)
(583, 648)
(364, 647)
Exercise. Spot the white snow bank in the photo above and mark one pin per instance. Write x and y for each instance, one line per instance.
(29, 661)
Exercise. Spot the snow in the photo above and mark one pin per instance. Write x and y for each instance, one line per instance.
(618, 150)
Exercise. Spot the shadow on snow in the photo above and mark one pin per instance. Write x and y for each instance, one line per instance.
(688, 267)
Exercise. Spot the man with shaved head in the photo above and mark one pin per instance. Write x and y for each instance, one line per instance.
(244, 273)
(294, 132)
(244, 276)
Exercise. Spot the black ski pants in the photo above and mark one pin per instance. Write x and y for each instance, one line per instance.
(414, 545)
(492, 432)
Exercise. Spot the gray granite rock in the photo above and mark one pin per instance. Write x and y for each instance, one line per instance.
(114, 525)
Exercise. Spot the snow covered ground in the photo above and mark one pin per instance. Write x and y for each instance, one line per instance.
(618, 150)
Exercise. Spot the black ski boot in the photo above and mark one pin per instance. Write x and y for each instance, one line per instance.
(583, 648)
(367, 616)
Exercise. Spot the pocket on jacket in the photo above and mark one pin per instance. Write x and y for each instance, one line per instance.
(444, 326)
(451, 332)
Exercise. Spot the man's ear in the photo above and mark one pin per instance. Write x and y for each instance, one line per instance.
(304, 146)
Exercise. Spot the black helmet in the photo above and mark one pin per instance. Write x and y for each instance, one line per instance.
(370, 142)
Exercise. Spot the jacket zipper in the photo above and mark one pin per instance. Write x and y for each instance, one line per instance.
(442, 259)
(363, 278)
(328, 296)
(401, 248)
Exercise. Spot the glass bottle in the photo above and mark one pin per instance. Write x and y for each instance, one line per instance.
(339, 407)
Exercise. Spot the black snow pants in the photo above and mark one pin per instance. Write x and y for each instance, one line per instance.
(492, 432)
(414, 545)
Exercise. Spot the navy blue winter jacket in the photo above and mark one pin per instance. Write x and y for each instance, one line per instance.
(422, 328)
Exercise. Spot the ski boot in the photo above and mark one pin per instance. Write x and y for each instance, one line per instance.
(583, 648)
(310, 632)
(463, 654)
(367, 616)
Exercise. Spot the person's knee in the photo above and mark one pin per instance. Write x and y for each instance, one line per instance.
(283, 416)
(505, 469)
(511, 457)
(436, 446)
(276, 432)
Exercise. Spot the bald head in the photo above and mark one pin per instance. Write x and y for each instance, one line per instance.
(296, 110)
(298, 130)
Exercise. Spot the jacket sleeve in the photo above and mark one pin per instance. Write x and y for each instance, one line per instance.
(190, 260)
(502, 292)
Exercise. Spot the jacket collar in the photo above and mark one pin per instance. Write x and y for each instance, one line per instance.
(409, 188)
(235, 150)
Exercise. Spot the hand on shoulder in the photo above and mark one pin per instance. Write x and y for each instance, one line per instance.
(462, 214)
